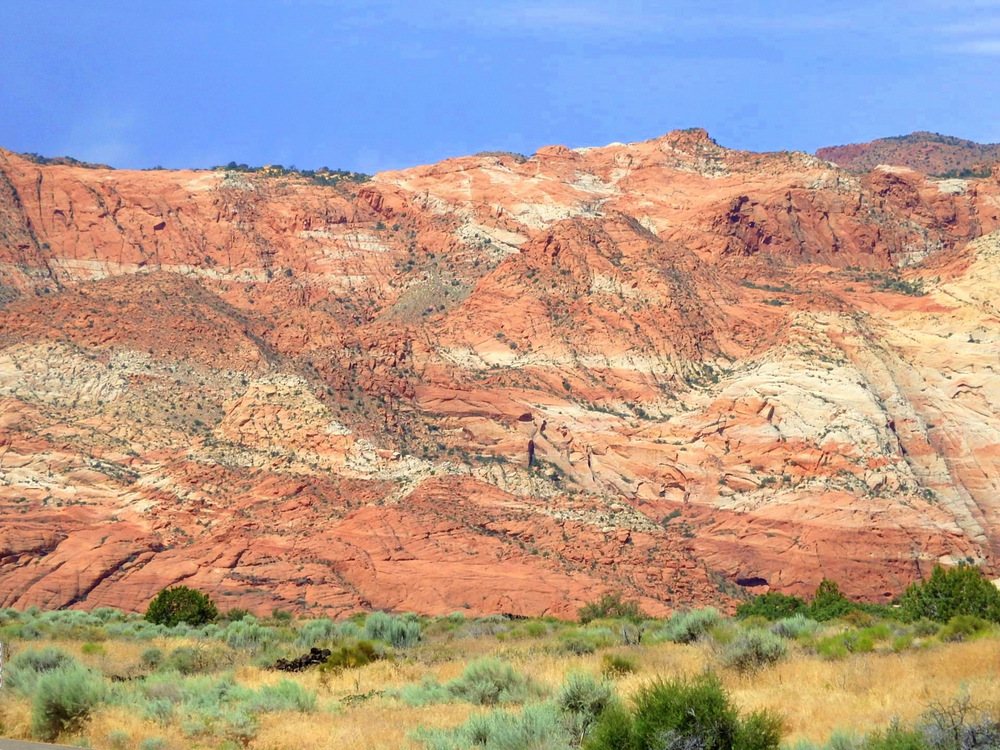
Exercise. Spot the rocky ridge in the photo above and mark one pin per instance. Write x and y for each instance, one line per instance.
(928, 153)
(495, 384)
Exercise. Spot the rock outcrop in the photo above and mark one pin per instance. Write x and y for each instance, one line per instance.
(496, 384)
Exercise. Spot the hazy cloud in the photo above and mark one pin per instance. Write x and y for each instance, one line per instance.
(987, 47)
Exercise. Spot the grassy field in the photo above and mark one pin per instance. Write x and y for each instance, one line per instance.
(153, 687)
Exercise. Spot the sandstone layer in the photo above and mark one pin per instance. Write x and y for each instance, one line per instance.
(929, 153)
(496, 384)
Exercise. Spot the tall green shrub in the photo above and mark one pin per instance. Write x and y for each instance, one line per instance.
(397, 631)
(962, 590)
(613, 606)
(181, 604)
(828, 603)
(28, 667)
(684, 714)
(63, 700)
(773, 606)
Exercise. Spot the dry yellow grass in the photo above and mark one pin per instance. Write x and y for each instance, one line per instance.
(816, 697)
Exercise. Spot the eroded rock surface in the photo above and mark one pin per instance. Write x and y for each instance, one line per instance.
(495, 384)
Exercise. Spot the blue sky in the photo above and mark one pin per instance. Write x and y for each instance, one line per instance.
(386, 84)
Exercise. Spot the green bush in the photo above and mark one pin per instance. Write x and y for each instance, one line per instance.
(350, 657)
(772, 605)
(617, 665)
(249, 635)
(610, 606)
(794, 627)
(828, 603)
(962, 590)
(151, 657)
(181, 604)
(962, 627)
(684, 714)
(187, 660)
(62, 701)
(396, 631)
(539, 726)
(687, 627)
(287, 695)
(849, 642)
(576, 644)
(582, 700)
(895, 737)
(27, 667)
(316, 631)
(753, 650)
(488, 682)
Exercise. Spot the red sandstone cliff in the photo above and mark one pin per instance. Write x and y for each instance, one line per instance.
(495, 384)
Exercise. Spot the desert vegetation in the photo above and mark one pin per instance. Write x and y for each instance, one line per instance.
(783, 672)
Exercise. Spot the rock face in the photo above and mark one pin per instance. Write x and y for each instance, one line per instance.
(929, 153)
(496, 384)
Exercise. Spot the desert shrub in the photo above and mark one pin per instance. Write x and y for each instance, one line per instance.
(952, 591)
(582, 700)
(24, 630)
(576, 643)
(680, 714)
(181, 604)
(535, 629)
(151, 657)
(287, 695)
(236, 614)
(902, 642)
(485, 682)
(795, 626)
(538, 726)
(349, 631)
(186, 660)
(108, 614)
(153, 743)
(772, 606)
(249, 635)
(962, 627)
(753, 650)
(138, 631)
(960, 724)
(895, 737)
(687, 627)
(610, 606)
(27, 667)
(91, 649)
(62, 701)
(350, 657)
(421, 694)
(926, 628)
(118, 739)
(488, 682)
(396, 631)
(618, 665)
(849, 642)
(212, 706)
(316, 631)
(828, 603)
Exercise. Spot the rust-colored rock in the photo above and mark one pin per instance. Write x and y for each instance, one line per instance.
(496, 384)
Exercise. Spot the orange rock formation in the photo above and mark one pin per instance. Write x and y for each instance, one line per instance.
(496, 384)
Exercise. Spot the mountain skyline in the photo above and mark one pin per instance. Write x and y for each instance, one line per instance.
(392, 85)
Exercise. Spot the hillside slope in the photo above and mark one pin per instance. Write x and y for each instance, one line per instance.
(495, 384)
(928, 153)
